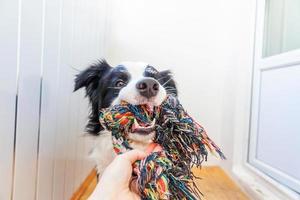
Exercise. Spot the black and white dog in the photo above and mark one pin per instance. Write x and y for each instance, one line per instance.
(135, 82)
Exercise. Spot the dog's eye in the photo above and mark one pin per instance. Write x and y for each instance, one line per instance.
(120, 83)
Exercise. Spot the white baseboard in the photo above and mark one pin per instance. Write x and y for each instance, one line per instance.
(260, 186)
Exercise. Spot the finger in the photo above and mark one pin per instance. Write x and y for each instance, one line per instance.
(153, 147)
(150, 148)
(134, 155)
(157, 148)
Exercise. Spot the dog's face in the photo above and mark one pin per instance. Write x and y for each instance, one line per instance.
(134, 82)
(139, 84)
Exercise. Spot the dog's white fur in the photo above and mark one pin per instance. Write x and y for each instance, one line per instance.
(103, 152)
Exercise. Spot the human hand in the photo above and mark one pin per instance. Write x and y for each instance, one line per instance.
(114, 183)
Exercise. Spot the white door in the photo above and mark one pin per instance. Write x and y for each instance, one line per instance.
(275, 121)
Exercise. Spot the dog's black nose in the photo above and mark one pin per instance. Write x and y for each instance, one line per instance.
(148, 87)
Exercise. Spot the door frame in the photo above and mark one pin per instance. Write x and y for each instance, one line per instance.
(261, 64)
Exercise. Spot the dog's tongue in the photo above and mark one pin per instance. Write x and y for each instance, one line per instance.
(149, 107)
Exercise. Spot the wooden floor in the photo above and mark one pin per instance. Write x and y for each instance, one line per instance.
(215, 184)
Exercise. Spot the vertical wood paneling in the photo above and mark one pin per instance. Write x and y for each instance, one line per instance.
(63, 96)
(77, 54)
(70, 168)
(28, 99)
(8, 89)
(81, 157)
(49, 39)
(49, 98)
(87, 37)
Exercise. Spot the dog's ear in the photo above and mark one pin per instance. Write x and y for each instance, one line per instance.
(165, 78)
(90, 79)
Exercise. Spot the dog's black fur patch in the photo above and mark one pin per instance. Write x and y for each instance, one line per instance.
(91, 78)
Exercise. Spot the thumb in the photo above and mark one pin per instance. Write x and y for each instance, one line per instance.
(133, 155)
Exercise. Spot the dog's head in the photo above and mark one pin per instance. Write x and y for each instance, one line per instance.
(134, 82)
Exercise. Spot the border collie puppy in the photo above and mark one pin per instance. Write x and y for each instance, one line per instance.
(135, 82)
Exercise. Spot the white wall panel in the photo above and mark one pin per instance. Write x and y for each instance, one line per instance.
(49, 98)
(8, 79)
(63, 98)
(78, 31)
(28, 99)
(56, 39)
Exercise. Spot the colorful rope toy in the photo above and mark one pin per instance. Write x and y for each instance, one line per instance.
(165, 174)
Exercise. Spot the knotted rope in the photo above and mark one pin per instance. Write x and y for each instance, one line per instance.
(166, 174)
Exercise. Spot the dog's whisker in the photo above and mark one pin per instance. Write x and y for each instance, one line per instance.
(160, 78)
(169, 87)
(77, 70)
(167, 82)
(171, 91)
